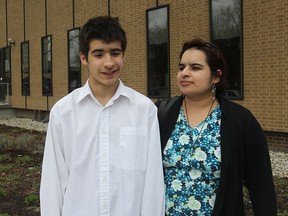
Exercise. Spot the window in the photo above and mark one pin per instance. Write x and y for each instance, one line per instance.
(25, 68)
(158, 52)
(47, 66)
(226, 33)
(5, 73)
(74, 64)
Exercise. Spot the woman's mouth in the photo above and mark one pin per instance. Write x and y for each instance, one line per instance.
(185, 83)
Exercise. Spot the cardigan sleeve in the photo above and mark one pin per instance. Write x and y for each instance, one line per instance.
(258, 172)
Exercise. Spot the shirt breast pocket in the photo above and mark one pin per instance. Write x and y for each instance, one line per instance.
(133, 148)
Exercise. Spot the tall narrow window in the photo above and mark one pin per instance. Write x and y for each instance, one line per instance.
(157, 21)
(5, 73)
(74, 69)
(226, 33)
(25, 68)
(47, 66)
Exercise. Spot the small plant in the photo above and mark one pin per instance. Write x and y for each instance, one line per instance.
(2, 193)
(31, 199)
(283, 213)
(4, 214)
(23, 159)
(5, 141)
(25, 142)
(5, 168)
(5, 158)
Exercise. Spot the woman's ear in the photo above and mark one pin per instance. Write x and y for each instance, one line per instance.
(83, 59)
(217, 76)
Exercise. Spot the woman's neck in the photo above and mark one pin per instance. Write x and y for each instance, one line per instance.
(197, 110)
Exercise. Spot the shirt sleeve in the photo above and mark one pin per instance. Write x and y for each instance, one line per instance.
(54, 170)
(153, 201)
(258, 172)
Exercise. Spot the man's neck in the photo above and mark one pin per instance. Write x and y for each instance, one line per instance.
(103, 93)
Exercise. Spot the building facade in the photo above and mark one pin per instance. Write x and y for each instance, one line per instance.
(39, 64)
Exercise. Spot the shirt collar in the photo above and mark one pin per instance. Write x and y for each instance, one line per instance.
(122, 90)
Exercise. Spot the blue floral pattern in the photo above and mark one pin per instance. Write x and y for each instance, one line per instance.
(192, 169)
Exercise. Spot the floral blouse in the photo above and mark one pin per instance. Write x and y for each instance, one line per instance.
(192, 170)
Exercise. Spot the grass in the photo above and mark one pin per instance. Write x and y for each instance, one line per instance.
(2, 193)
(21, 153)
(31, 199)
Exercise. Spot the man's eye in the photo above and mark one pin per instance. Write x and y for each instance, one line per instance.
(116, 53)
(98, 55)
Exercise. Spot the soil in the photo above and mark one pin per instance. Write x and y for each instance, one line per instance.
(20, 177)
(20, 174)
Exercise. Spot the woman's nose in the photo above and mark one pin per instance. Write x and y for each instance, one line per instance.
(185, 72)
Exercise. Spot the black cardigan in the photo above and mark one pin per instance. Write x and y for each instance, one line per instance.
(244, 158)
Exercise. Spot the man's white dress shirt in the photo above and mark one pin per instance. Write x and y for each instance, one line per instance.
(102, 160)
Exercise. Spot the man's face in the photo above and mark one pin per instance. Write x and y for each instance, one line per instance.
(105, 63)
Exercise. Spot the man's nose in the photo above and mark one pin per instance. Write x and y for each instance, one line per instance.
(108, 61)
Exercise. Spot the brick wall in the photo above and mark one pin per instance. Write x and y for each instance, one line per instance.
(265, 47)
(15, 31)
(265, 62)
(2, 23)
(35, 29)
(277, 141)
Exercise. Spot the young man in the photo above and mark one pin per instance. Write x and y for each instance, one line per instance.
(102, 153)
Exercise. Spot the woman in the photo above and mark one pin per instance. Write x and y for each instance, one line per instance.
(211, 146)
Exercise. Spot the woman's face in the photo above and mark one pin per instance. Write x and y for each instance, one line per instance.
(194, 78)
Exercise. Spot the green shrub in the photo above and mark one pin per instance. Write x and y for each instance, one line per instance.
(23, 159)
(25, 142)
(31, 199)
(2, 193)
(5, 158)
(5, 141)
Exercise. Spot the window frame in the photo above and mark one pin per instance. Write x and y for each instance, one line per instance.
(231, 93)
(70, 89)
(51, 65)
(22, 66)
(149, 73)
(8, 58)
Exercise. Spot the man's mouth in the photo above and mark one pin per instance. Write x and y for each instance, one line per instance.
(109, 72)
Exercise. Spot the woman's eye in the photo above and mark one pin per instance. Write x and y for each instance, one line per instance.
(181, 68)
(196, 68)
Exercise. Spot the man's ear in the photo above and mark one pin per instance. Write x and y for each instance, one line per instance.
(83, 59)
(217, 76)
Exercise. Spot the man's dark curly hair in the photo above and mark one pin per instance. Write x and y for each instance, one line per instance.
(103, 28)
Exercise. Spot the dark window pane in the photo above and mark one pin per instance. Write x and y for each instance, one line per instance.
(158, 52)
(5, 74)
(74, 64)
(25, 68)
(227, 35)
(47, 65)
